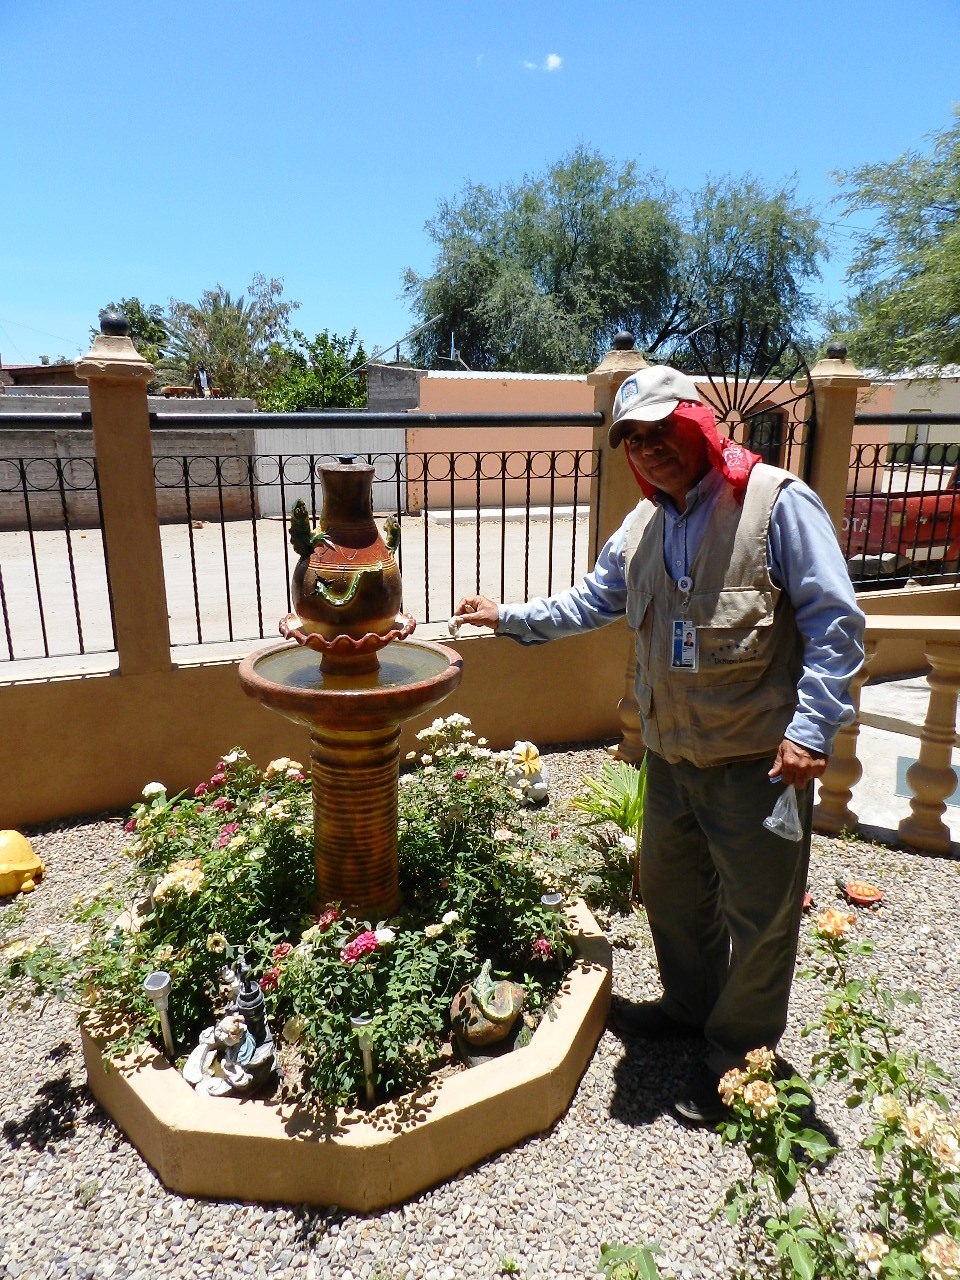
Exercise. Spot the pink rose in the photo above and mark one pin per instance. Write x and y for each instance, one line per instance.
(270, 979)
(327, 919)
(282, 950)
(360, 946)
(227, 833)
(223, 803)
(542, 949)
(201, 790)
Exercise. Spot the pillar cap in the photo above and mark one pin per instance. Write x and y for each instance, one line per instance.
(622, 360)
(837, 370)
(113, 354)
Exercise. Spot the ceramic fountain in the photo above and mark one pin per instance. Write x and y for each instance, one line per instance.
(352, 675)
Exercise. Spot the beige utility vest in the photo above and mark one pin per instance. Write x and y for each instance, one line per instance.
(742, 696)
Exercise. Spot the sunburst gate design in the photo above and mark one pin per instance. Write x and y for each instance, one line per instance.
(758, 384)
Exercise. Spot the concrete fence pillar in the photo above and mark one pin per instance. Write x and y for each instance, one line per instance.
(616, 493)
(117, 376)
(836, 381)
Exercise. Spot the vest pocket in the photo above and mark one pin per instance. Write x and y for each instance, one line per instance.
(739, 719)
(638, 602)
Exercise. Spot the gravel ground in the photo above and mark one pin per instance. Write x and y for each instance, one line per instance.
(77, 1201)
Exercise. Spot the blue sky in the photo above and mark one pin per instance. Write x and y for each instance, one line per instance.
(155, 150)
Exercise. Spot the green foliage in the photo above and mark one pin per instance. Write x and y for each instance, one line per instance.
(231, 867)
(236, 339)
(618, 796)
(317, 374)
(912, 1221)
(538, 276)
(905, 311)
(631, 1262)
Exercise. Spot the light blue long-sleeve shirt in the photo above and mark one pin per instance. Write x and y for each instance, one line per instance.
(804, 560)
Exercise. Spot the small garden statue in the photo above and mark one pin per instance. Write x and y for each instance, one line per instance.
(237, 1055)
(483, 1012)
(527, 773)
(20, 868)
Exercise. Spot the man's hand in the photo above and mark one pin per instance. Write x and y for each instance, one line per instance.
(479, 611)
(795, 764)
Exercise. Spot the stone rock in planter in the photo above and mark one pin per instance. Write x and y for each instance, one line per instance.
(484, 1012)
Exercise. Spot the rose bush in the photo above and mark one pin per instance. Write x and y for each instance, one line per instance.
(228, 868)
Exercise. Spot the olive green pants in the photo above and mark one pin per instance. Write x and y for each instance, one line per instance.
(723, 897)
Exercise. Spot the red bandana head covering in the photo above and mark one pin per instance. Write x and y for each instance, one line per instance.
(732, 460)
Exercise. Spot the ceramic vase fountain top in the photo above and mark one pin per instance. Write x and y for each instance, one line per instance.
(346, 585)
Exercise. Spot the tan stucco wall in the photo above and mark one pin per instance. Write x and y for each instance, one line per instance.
(89, 744)
(494, 393)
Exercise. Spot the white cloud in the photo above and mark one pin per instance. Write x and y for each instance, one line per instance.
(552, 62)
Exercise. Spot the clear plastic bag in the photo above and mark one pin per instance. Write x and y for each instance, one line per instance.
(785, 819)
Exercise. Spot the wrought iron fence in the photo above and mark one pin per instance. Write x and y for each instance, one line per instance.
(901, 519)
(467, 522)
(54, 586)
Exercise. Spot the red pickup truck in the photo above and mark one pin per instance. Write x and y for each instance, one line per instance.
(908, 523)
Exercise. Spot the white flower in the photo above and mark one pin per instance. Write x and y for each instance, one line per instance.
(154, 789)
(232, 757)
(871, 1249)
(449, 917)
(433, 930)
(384, 935)
(628, 842)
(887, 1107)
(282, 765)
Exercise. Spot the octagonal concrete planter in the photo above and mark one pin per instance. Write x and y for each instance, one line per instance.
(228, 1149)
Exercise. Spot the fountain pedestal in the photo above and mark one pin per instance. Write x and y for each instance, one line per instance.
(354, 724)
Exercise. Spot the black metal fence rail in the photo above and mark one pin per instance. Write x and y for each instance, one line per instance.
(55, 594)
(901, 518)
(468, 523)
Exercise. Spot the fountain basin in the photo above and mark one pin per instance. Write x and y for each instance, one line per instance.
(412, 677)
(225, 1148)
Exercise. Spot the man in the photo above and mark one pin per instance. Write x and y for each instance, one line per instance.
(747, 637)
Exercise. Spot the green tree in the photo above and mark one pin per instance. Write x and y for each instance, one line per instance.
(538, 276)
(317, 374)
(148, 329)
(905, 309)
(237, 340)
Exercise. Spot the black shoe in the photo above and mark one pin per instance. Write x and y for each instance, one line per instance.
(648, 1021)
(700, 1103)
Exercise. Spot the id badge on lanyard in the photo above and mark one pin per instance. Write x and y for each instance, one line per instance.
(683, 653)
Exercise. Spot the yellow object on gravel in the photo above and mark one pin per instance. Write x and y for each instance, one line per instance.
(20, 868)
